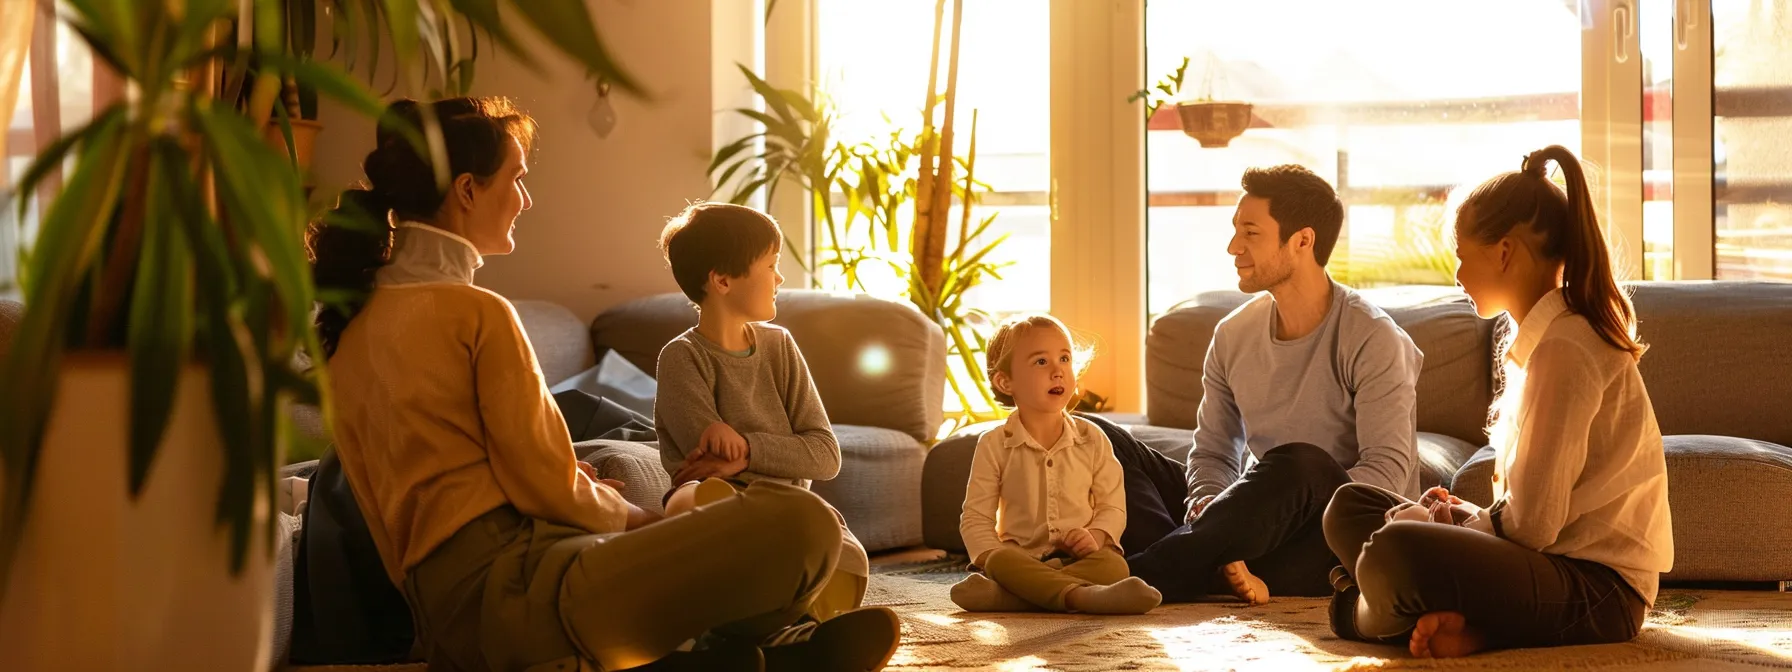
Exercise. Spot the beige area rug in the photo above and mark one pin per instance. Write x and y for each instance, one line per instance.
(1689, 630)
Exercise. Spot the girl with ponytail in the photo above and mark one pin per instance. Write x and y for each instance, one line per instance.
(1572, 548)
(461, 464)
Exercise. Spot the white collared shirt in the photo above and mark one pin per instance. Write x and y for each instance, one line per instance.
(423, 254)
(1027, 495)
(1579, 469)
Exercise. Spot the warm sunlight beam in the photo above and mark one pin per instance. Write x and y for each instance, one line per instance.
(1775, 643)
(937, 619)
(1021, 664)
(1229, 642)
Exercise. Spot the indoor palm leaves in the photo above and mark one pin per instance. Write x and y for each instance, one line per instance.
(177, 236)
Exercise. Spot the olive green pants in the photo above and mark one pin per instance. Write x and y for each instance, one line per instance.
(1046, 583)
(508, 592)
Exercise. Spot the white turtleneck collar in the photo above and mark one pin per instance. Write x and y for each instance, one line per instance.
(425, 254)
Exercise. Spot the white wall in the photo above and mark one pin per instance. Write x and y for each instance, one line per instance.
(589, 242)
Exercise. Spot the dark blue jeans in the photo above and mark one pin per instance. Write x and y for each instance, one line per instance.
(1271, 518)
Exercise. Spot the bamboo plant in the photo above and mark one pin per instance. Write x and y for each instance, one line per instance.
(177, 236)
(897, 190)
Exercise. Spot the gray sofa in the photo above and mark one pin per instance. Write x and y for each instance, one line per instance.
(1719, 373)
(878, 365)
(880, 369)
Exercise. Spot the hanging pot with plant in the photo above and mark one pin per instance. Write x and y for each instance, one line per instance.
(1214, 122)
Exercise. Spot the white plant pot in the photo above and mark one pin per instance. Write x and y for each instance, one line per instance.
(106, 583)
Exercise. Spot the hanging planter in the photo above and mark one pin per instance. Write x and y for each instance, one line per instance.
(1215, 123)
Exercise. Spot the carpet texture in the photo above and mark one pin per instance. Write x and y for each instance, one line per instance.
(1689, 630)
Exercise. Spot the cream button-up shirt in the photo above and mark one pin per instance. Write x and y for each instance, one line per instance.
(1027, 495)
(1579, 469)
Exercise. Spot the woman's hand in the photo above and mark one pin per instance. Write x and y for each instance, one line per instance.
(1408, 511)
(1448, 508)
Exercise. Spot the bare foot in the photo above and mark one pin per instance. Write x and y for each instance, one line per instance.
(1445, 634)
(1245, 584)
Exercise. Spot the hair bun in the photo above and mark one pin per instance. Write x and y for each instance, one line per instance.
(1535, 164)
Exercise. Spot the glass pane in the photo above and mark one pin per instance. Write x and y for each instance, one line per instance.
(1657, 43)
(1397, 102)
(1752, 138)
(873, 64)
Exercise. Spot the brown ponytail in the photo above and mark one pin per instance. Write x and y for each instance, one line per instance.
(1571, 235)
(350, 244)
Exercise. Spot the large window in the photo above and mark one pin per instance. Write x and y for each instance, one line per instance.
(1393, 101)
(1752, 129)
(56, 94)
(1681, 109)
(872, 62)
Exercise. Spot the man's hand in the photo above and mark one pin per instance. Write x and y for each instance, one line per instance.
(1080, 542)
(698, 466)
(1200, 505)
(722, 441)
(590, 471)
(612, 483)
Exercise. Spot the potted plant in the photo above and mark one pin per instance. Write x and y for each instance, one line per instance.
(900, 186)
(356, 28)
(1212, 122)
(167, 300)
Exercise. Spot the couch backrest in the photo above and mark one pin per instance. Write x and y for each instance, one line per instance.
(1720, 357)
(876, 363)
(562, 345)
(1454, 389)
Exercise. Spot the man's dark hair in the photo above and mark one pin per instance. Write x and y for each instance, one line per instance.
(1299, 199)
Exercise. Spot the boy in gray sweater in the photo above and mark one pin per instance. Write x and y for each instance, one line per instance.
(735, 403)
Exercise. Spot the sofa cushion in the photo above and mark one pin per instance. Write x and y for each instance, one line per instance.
(876, 363)
(948, 470)
(637, 465)
(878, 490)
(1454, 387)
(1718, 361)
(1714, 482)
(562, 345)
(944, 479)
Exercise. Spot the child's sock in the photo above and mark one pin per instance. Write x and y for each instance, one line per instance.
(1130, 595)
(981, 593)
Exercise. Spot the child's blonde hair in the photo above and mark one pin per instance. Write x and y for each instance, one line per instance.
(999, 354)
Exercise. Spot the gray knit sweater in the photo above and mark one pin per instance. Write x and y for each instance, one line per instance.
(765, 395)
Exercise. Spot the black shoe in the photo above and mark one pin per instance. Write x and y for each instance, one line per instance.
(1343, 609)
(862, 640)
(728, 658)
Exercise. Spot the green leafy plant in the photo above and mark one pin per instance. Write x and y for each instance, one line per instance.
(177, 237)
(1164, 91)
(896, 192)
